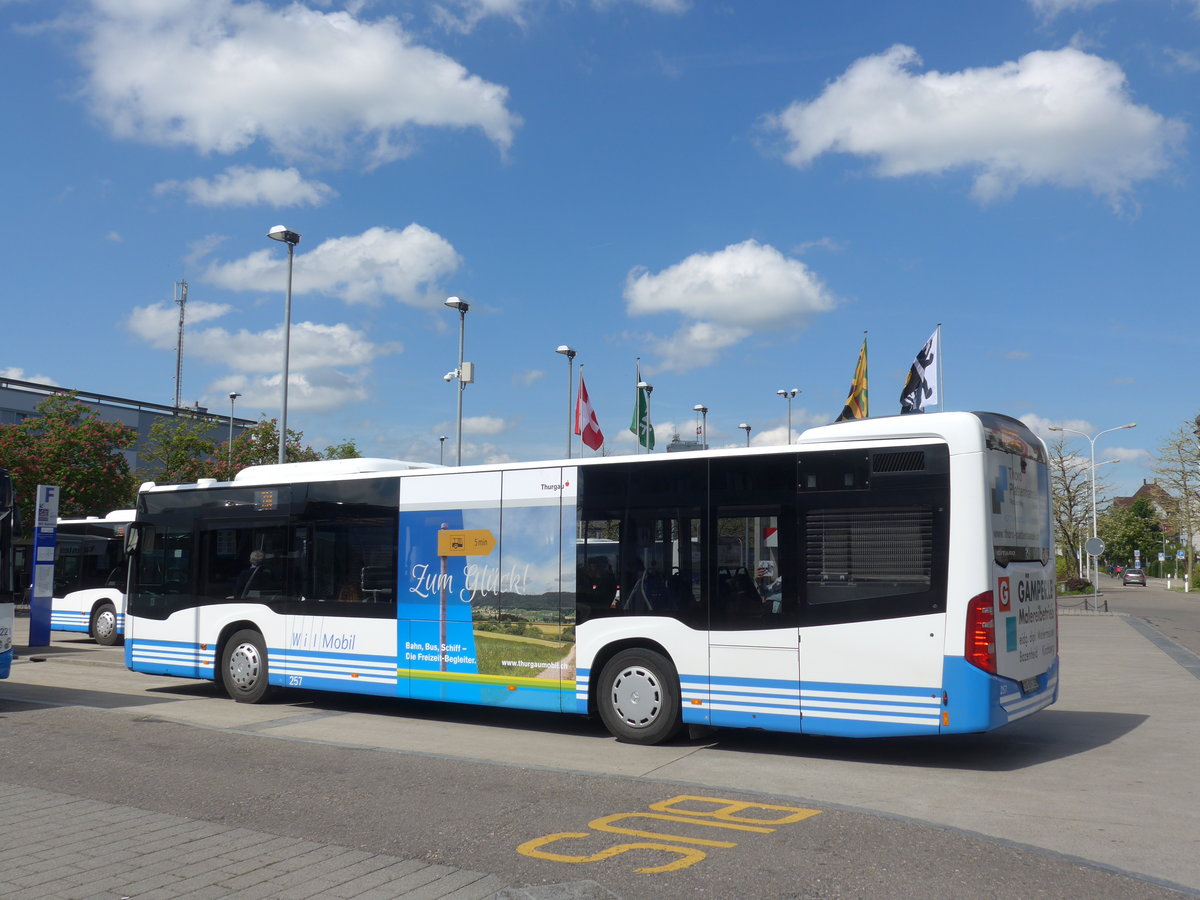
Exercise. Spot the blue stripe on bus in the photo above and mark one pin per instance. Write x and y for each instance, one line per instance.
(70, 620)
(827, 708)
(179, 658)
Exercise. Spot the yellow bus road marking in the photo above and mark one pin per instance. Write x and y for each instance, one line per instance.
(720, 813)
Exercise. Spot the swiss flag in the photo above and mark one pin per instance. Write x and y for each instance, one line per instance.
(586, 423)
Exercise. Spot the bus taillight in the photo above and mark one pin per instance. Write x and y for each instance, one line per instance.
(981, 632)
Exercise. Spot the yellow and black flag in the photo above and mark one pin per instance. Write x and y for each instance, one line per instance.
(856, 403)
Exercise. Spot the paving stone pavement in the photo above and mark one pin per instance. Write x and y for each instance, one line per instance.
(57, 847)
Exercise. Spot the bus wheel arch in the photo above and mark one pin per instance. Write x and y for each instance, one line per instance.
(637, 694)
(103, 624)
(245, 668)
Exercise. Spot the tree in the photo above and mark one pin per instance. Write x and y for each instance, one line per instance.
(347, 449)
(1128, 528)
(1071, 487)
(259, 446)
(67, 444)
(179, 450)
(1178, 475)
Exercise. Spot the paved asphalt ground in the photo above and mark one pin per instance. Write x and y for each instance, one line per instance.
(1094, 798)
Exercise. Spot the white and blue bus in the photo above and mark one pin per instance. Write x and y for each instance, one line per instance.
(89, 576)
(9, 529)
(881, 577)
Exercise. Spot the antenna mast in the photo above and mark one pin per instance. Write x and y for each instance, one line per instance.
(181, 289)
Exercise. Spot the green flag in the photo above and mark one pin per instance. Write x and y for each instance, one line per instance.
(640, 425)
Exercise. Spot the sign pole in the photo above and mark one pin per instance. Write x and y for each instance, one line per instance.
(41, 589)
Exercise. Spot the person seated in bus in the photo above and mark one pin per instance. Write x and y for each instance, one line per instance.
(247, 576)
(596, 588)
(602, 581)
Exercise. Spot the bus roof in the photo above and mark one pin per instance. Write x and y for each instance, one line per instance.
(320, 469)
(117, 515)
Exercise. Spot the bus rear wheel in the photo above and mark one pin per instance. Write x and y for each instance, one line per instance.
(638, 697)
(104, 625)
(244, 667)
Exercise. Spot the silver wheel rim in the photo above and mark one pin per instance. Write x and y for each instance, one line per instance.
(106, 623)
(245, 665)
(637, 697)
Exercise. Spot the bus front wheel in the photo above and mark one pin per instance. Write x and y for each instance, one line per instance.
(244, 667)
(639, 697)
(104, 625)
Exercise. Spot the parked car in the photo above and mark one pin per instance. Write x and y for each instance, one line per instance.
(1133, 576)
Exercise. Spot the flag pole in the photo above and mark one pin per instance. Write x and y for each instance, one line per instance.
(577, 426)
(941, 391)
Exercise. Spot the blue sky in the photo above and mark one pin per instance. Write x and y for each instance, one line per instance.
(733, 192)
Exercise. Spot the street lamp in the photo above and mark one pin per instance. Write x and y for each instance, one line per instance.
(703, 410)
(465, 374)
(746, 428)
(291, 238)
(788, 396)
(233, 395)
(569, 353)
(1091, 439)
(442, 450)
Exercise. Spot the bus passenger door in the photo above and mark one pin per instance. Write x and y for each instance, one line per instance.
(754, 655)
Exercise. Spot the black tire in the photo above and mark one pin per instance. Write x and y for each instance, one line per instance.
(244, 670)
(104, 625)
(638, 697)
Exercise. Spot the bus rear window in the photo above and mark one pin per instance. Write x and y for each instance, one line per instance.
(1019, 483)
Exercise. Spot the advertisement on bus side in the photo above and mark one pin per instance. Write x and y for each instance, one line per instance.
(487, 599)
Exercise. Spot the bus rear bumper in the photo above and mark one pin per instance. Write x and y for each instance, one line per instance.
(979, 701)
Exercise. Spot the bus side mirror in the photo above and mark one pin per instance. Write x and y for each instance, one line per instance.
(131, 538)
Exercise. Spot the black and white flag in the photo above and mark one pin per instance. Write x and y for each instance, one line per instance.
(921, 388)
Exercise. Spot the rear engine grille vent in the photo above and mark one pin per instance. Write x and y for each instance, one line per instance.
(899, 461)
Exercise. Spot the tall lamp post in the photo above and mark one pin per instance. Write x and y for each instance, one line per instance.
(703, 410)
(746, 428)
(233, 395)
(442, 450)
(1091, 439)
(291, 238)
(569, 353)
(464, 377)
(789, 396)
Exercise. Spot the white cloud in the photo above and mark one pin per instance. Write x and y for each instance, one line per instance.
(1048, 9)
(485, 425)
(158, 325)
(464, 15)
(328, 364)
(525, 379)
(725, 297)
(19, 375)
(219, 76)
(249, 186)
(381, 262)
(1061, 117)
